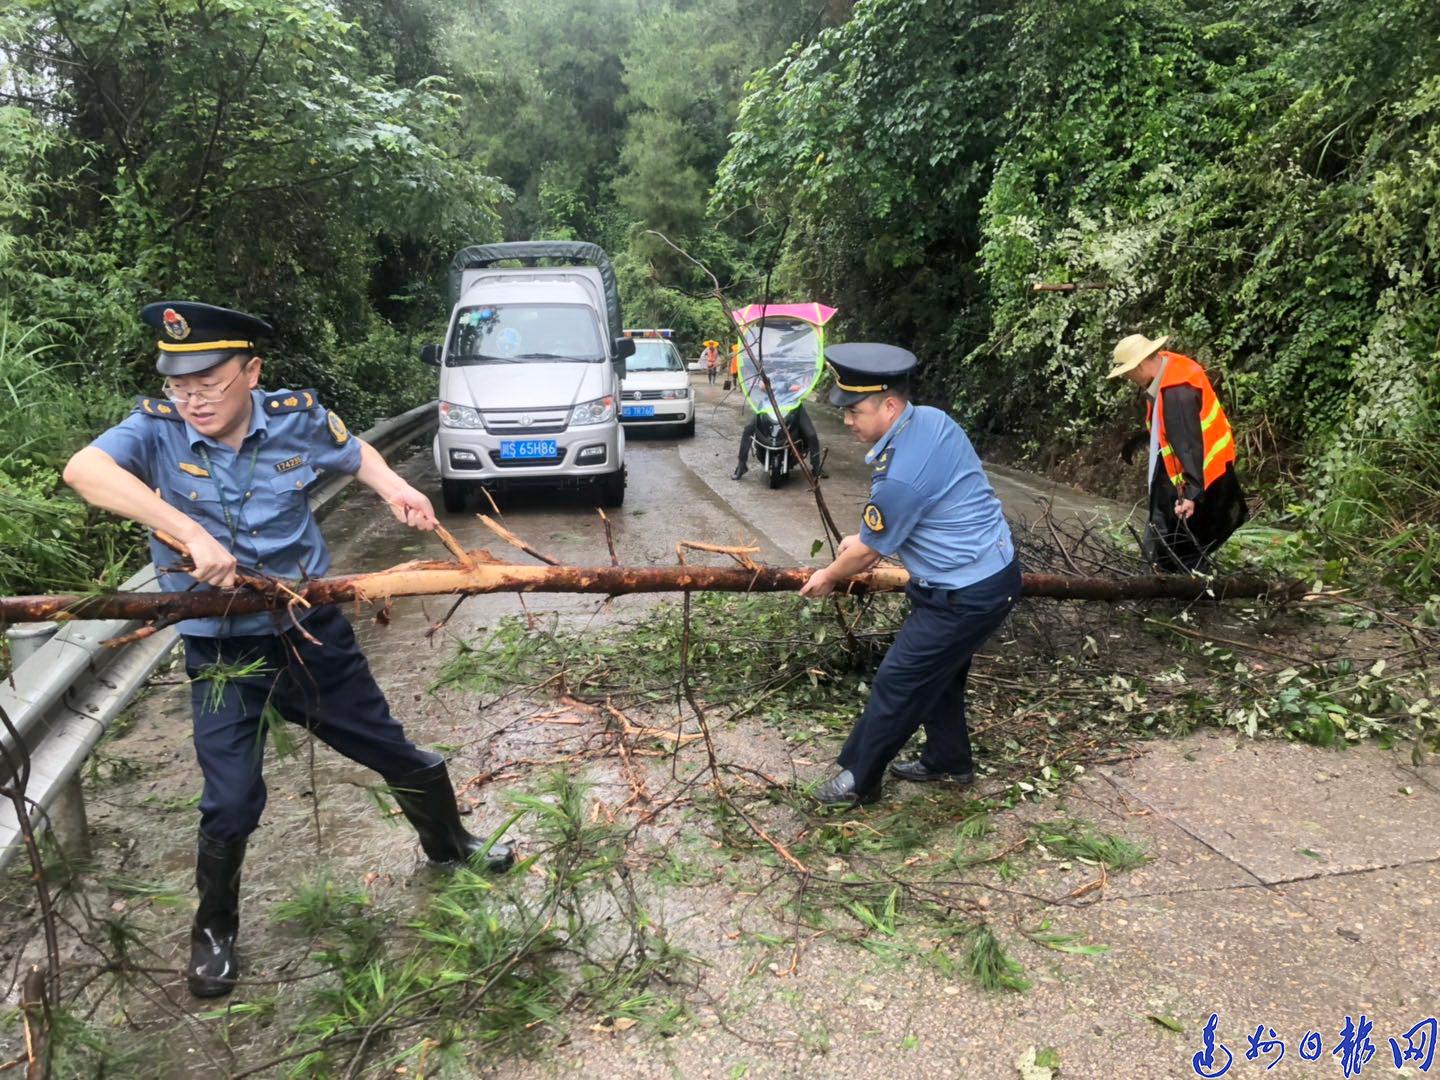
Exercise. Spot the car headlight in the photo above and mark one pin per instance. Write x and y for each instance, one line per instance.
(460, 416)
(593, 412)
(675, 395)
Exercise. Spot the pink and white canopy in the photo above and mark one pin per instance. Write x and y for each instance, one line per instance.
(815, 314)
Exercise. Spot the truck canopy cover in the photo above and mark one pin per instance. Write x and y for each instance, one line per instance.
(530, 253)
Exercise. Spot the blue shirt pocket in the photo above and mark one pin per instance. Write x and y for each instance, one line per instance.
(289, 503)
(197, 496)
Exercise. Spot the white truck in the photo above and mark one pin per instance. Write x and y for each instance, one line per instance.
(530, 372)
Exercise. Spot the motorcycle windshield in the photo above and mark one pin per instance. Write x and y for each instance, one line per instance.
(791, 352)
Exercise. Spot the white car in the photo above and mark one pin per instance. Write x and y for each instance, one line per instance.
(656, 389)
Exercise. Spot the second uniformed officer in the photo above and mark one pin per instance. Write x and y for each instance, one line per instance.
(224, 467)
(932, 507)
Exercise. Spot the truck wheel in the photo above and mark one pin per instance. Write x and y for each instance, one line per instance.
(688, 431)
(612, 490)
(452, 494)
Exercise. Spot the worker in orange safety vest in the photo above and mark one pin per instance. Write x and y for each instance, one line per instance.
(1195, 498)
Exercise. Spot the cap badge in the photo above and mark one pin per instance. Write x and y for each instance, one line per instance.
(175, 325)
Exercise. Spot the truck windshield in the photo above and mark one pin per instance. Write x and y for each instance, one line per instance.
(653, 356)
(525, 333)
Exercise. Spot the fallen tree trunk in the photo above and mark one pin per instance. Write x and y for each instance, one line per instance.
(451, 578)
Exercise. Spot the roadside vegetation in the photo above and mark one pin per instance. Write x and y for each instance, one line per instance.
(1256, 179)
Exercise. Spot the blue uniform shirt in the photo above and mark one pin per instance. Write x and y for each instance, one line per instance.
(258, 493)
(931, 505)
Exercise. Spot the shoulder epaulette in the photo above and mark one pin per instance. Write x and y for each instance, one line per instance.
(287, 401)
(157, 407)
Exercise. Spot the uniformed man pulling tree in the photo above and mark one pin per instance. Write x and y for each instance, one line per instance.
(224, 467)
(931, 507)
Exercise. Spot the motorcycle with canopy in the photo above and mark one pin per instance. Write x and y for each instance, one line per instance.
(787, 342)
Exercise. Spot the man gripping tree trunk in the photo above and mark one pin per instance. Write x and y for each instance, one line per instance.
(224, 467)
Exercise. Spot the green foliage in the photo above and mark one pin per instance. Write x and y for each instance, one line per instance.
(990, 965)
(1256, 180)
(734, 646)
(257, 152)
(487, 963)
(48, 539)
(1081, 840)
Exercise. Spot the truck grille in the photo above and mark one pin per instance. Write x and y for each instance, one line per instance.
(519, 422)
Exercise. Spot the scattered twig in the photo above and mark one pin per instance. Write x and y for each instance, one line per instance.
(515, 541)
(609, 536)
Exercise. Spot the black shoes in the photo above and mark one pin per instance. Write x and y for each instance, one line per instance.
(920, 773)
(840, 790)
(740, 471)
(213, 969)
(428, 801)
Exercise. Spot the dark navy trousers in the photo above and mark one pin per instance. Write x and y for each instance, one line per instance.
(326, 688)
(921, 681)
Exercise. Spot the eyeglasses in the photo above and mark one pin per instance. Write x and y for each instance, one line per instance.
(205, 397)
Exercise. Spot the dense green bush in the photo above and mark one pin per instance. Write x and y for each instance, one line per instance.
(1258, 180)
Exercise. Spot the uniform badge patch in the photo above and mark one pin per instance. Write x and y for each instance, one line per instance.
(192, 470)
(175, 325)
(289, 463)
(337, 429)
(873, 519)
(156, 407)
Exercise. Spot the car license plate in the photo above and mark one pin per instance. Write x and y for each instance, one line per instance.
(637, 410)
(515, 449)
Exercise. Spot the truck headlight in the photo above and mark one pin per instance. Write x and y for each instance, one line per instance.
(460, 416)
(593, 412)
(675, 395)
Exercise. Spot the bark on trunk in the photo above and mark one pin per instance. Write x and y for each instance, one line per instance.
(448, 578)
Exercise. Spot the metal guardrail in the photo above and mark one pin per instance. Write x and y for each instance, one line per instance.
(63, 696)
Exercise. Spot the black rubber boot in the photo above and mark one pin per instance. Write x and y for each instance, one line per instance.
(213, 968)
(740, 471)
(428, 801)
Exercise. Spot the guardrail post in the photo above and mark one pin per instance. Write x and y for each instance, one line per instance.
(26, 639)
(66, 816)
(68, 825)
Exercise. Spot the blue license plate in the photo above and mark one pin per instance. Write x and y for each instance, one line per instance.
(637, 410)
(516, 449)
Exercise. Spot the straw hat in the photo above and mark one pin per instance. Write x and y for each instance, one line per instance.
(1134, 351)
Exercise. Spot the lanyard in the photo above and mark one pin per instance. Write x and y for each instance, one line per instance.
(232, 521)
